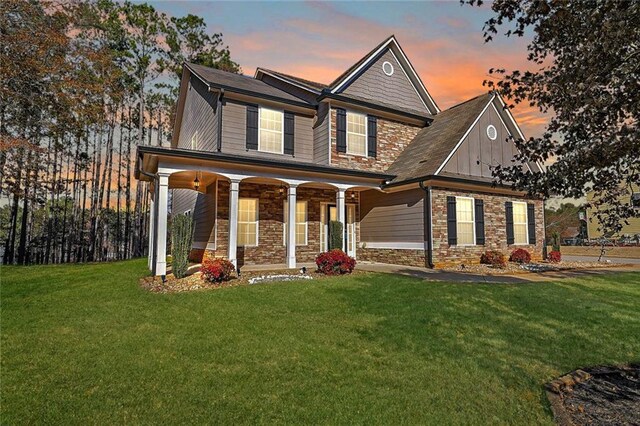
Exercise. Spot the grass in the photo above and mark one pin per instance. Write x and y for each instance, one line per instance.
(84, 344)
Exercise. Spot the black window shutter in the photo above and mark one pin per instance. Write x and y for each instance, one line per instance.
(289, 122)
(479, 222)
(341, 130)
(531, 218)
(452, 230)
(508, 206)
(252, 127)
(372, 131)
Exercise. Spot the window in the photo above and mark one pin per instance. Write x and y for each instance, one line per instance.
(187, 212)
(492, 133)
(465, 225)
(356, 134)
(387, 67)
(194, 140)
(271, 134)
(520, 234)
(301, 222)
(248, 222)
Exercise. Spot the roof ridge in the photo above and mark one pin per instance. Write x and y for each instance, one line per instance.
(314, 84)
(467, 101)
(360, 61)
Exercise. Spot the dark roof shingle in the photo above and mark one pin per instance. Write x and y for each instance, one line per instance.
(313, 85)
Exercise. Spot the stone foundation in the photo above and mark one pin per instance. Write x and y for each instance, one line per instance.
(394, 256)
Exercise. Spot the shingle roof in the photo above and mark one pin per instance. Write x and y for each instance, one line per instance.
(313, 85)
(242, 83)
(432, 145)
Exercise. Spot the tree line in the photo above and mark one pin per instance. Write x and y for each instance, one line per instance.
(83, 83)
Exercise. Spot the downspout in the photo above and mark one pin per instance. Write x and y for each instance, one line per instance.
(544, 228)
(428, 231)
(219, 112)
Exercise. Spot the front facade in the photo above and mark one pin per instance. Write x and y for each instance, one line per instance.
(264, 163)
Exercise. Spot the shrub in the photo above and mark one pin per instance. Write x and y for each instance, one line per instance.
(520, 256)
(493, 258)
(335, 262)
(336, 235)
(181, 241)
(554, 256)
(556, 241)
(217, 270)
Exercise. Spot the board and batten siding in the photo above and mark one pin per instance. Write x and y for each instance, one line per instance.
(394, 217)
(203, 210)
(199, 116)
(477, 152)
(395, 89)
(234, 134)
(321, 135)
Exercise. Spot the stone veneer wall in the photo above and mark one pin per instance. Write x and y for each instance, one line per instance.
(271, 248)
(393, 256)
(393, 138)
(495, 228)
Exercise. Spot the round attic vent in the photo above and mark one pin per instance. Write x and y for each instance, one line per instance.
(492, 133)
(387, 67)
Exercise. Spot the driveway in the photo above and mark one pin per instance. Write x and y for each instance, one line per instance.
(608, 259)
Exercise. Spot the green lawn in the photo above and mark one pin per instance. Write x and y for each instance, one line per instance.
(84, 344)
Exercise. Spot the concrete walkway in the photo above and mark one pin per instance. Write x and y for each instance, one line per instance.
(438, 275)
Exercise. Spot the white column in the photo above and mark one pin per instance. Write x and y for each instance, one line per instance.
(161, 235)
(233, 221)
(340, 206)
(152, 220)
(291, 224)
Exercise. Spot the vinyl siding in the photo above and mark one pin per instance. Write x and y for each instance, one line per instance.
(396, 89)
(321, 135)
(199, 116)
(234, 130)
(202, 208)
(394, 217)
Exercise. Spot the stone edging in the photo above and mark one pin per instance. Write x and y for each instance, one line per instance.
(554, 390)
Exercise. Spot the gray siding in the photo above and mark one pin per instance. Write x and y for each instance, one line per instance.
(234, 129)
(199, 116)
(202, 208)
(396, 89)
(477, 147)
(321, 135)
(395, 217)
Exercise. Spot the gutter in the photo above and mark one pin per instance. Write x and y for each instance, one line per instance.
(428, 220)
(425, 118)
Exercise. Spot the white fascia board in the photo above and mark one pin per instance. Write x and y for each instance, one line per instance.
(453, 151)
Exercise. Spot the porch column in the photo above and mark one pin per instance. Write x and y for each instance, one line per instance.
(161, 234)
(233, 221)
(152, 219)
(291, 224)
(340, 206)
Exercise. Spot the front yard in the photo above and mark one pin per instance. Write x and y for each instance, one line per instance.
(85, 344)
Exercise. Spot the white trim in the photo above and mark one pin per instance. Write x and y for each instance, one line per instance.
(281, 111)
(203, 245)
(413, 71)
(495, 132)
(505, 126)
(355, 230)
(286, 80)
(257, 221)
(526, 223)
(398, 245)
(366, 133)
(215, 218)
(285, 204)
(329, 105)
(390, 73)
(444, 163)
(473, 220)
(412, 85)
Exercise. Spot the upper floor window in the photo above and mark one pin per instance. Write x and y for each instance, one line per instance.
(520, 235)
(465, 221)
(356, 134)
(271, 134)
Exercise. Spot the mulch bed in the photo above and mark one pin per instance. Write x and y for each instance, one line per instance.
(512, 268)
(602, 395)
(195, 282)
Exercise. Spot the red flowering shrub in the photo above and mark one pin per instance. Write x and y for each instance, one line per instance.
(217, 270)
(520, 256)
(335, 262)
(493, 258)
(554, 256)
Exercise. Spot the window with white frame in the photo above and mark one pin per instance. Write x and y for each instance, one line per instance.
(465, 221)
(356, 133)
(271, 131)
(520, 234)
(248, 222)
(301, 222)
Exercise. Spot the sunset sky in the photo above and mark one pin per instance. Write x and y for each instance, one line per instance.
(318, 41)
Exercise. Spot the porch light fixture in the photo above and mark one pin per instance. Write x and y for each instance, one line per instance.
(281, 190)
(196, 183)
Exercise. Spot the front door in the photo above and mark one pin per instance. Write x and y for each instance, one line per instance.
(329, 213)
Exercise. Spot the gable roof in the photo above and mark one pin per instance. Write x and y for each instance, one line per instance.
(243, 84)
(363, 64)
(296, 81)
(433, 144)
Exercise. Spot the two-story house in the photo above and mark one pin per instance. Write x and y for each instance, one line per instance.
(264, 163)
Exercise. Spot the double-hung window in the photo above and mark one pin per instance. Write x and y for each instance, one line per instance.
(271, 131)
(301, 222)
(248, 222)
(520, 235)
(465, 221)
(356, 134)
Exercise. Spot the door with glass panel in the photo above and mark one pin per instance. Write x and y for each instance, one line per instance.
(328, 213)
